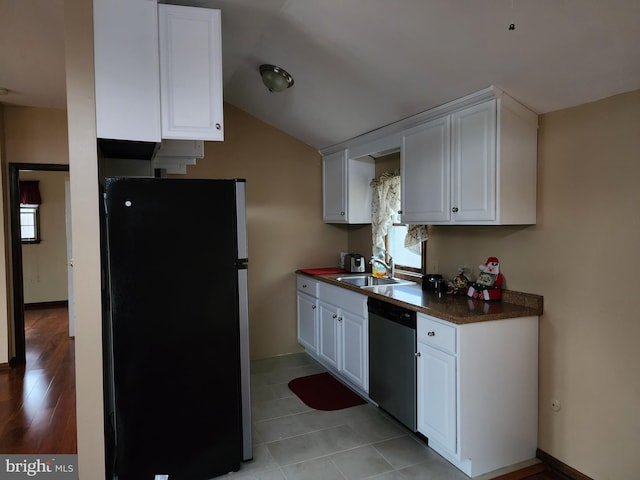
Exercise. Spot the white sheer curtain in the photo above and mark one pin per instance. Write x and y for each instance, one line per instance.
(385, 203)
(416, 234)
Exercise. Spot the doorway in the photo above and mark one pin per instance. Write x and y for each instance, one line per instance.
(19, 350)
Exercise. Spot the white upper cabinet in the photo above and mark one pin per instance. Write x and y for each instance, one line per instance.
(425, 163)
(190, 72)
(472, 161)
(157, 71)
(126, 69)
(481, 173)
(346, 188)
(334, 187)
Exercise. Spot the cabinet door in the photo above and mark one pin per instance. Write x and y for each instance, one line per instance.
(307, 313)
(334, 187)
(425, 172)
(328, 347)
(437, 396)
(354, 349)
(190, 72)
(126, 69)
(474, 163)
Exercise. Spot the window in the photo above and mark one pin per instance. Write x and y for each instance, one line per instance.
(404, 258)
(29, 223)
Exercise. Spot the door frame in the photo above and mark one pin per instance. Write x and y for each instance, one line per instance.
(20, 353)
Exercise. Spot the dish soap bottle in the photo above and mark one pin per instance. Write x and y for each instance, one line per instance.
(378, 269)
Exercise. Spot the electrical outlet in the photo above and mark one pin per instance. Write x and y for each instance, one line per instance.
(555, 405)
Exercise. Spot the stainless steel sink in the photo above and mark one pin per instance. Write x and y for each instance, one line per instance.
(364, 281)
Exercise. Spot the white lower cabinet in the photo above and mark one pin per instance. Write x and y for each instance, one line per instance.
(354, 349)
(478, 391)
(437, 396)
(307, 312)
(342, 332)
(329, 346)
(344, 343)
(307, 307)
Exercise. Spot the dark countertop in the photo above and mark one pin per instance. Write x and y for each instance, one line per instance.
(458, 309)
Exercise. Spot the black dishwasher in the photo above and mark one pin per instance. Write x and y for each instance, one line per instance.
(392, 361)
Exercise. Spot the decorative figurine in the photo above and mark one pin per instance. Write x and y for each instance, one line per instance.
(460, 282)
(488, 286)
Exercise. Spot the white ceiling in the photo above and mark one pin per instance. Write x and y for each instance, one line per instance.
(361, 64)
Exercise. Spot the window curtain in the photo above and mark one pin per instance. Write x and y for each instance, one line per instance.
(416, 234)
(29, 192)
(385, 203)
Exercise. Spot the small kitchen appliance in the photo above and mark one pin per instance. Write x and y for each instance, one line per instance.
(354, 263)
(430, 281)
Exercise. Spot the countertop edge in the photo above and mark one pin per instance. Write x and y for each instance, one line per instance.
(513, 304)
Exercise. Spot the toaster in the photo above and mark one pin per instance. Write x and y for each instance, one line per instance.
(354, 262)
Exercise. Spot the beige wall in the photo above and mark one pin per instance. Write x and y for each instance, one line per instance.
(284, 220)
(36, 135)
(44, 264)
(583, 257)
(83, 171)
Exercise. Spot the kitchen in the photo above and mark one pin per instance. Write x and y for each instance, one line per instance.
(586, 191)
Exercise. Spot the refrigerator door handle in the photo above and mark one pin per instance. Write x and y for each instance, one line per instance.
(241, 219)
(245, 363)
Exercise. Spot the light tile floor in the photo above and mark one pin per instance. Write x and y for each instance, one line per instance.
(295, 442)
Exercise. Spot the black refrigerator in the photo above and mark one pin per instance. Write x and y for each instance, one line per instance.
(177, 399)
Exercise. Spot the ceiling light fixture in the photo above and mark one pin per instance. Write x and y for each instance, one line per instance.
(275, 78)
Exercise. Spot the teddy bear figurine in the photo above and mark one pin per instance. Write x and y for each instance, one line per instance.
(488, 286)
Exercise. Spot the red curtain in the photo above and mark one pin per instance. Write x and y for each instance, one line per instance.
(29, 192)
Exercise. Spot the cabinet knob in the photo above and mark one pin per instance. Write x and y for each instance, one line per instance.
(339, 319)
(218, 127)
(304, 285)
(417, 354)
(454, 209)
(342, 214)
(313, 307)
(335, 315)
(431, 334)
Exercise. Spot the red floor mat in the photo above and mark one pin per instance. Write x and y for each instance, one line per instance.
(323, 392)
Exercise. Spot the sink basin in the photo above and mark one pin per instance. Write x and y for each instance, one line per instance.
(364, 281)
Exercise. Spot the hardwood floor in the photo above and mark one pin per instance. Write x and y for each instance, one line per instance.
(37, 400)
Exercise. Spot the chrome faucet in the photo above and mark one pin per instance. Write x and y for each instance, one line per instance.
(388, 267)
